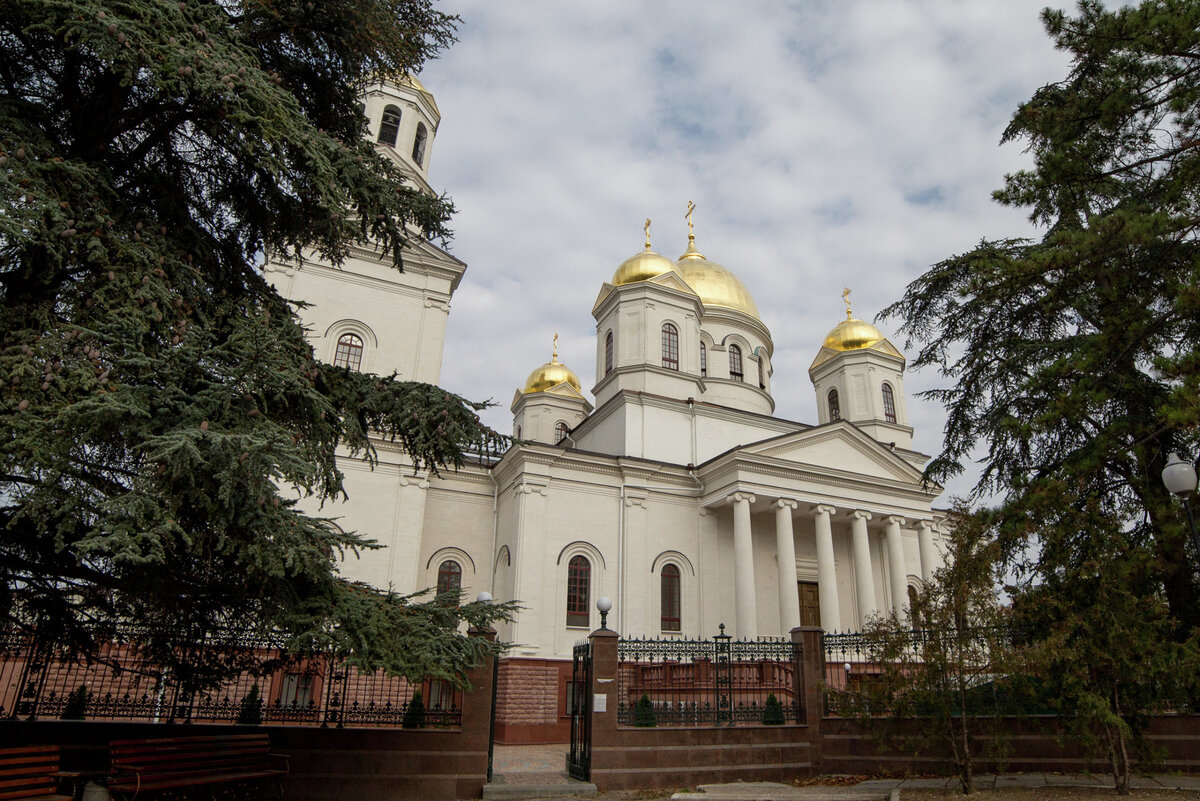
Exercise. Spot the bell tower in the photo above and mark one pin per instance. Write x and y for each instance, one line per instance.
(859, 377)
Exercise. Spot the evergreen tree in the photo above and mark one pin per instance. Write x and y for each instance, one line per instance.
(160, 403)
(250, 709)
(76, 706)
(772, 711)
(414, 712)
(643, 712)
(1074, 357)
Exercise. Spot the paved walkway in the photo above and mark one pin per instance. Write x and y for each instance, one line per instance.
(544, 765)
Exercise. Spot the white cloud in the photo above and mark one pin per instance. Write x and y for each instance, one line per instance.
(825, 144)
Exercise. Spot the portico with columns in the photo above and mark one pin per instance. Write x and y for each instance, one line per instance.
(863, 532)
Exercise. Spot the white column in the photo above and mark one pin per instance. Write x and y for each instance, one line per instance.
(831, 615)
(898, 575)
(928, 553)
(864, 578)
(743, 566)
(785, 550)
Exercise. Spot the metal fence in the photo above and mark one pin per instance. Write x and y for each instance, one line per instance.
(856, 659)
(39, 680)
(715, 682)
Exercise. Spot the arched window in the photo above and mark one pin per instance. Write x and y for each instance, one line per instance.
(670, 347)
(449, 577)
(579, 579)
(349, 352)
(703, 359)
(835, 408)
(735, 362)
(608, 353)
(419, 144)
(560, 431)
(889, 404)
(669, 580)
(389, 126)
(762, 374)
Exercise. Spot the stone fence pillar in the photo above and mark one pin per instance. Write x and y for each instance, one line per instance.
(810, 675)
(604, 693)
(477, 702)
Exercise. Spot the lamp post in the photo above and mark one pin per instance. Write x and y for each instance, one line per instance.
(1180, 478)
(604, 604)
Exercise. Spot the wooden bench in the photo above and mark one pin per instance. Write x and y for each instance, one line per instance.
(30, 773)
(173, 763)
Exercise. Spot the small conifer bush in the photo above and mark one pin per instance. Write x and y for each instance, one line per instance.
(76, 706)
(643, 712)
(414, 716)
(250, 711)
(772, 711)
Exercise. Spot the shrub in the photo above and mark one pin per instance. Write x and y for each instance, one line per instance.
(643, 713)
(414, 715)
(250, 711)
(76, 706)
(772, 711)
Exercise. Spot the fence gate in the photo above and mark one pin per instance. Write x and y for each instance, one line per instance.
(579, 761)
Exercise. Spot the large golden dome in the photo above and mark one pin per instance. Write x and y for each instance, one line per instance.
(642, 267)
(715, 285)
(853, 334)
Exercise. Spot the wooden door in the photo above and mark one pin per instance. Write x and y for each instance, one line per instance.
(810, 603)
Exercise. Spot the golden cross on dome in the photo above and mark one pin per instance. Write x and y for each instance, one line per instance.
(554, 358)
(688, 217)
(846, 300)
(646, 228)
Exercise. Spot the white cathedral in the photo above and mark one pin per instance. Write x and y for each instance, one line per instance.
(676, 492)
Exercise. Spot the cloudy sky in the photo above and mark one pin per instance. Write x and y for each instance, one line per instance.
(825, 144)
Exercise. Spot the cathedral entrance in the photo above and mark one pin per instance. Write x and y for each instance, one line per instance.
(810, 603)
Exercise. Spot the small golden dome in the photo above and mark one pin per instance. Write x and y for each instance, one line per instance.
(715, 285)
(853, 334)
(551, 374)
(642, 267)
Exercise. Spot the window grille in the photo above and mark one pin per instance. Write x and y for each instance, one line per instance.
(889, 404)
(560, 431)
(670, 347)
(349, 352)
(389, 126)
(669, 579)
(835, 408)
(449, 577)
(579, 576)
(418, 151)
(703, 360)
(608, 353)
(735, 362)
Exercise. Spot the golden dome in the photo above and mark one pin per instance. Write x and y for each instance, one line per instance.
(853, 334)
(642, 267)
(551, 374)
(715, 285)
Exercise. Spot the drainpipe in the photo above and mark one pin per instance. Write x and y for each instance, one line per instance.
(692, 410)
(618, 623)
(495, 524)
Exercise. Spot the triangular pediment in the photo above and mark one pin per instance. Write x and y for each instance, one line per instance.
(561, 390)
(605, 290)
(672, 280)
(839, 446)
(882, 346)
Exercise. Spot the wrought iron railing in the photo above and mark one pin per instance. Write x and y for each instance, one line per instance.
(39, 680)
(853, 660)
(715, 682)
